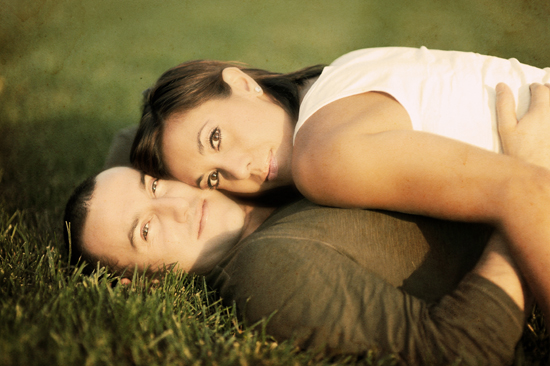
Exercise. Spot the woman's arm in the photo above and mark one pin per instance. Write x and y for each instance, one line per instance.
(360, 151)
(346, 156)
(527, 139)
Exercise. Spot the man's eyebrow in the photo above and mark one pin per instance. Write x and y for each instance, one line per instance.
(136, 220)
(132, 231)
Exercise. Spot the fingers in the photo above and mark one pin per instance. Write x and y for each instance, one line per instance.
(125, 281)
(506, 108)
(540, 97)
(527, 138)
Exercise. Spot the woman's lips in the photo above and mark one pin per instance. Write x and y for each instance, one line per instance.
(203, 217)
(273, 168)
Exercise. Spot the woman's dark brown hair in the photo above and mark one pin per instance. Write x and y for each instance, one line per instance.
(192, 83)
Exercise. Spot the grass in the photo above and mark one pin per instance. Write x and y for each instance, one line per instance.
(52, 314)
(71, 74)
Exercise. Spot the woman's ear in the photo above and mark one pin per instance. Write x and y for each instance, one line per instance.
(239, 81)
(125, 281)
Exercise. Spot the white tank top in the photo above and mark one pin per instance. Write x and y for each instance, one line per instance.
(448, 93)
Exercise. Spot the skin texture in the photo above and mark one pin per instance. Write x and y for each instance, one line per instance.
(164, 218)
(246, 139)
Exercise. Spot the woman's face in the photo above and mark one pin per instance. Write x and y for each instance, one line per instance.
(134, 219)
(241, 144)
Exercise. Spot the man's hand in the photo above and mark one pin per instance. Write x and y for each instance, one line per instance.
(528, 138)
(497, 265)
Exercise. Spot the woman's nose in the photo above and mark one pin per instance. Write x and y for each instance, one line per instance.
(176, 208)
(237, 166)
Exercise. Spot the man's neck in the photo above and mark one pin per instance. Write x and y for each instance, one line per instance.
(255, 216)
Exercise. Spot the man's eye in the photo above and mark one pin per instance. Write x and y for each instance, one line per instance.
(145, 231)
(213, 180)
(154, 185)
(216, 139)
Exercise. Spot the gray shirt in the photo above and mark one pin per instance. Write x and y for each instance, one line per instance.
(350, 280)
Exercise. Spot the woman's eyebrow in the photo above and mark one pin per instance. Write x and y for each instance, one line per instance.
(142, 180)
(199, 143)
(198, 181)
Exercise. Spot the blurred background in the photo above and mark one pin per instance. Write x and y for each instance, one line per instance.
(72, 72)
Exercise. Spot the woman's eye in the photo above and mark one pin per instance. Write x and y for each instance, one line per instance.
(145, 231)
(213, 180)
(154, 185)
(216, 139)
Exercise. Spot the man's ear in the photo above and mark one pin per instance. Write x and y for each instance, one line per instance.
(239, 81)
(125, 281)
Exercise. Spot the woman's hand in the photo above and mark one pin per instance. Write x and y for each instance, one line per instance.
(528, 138)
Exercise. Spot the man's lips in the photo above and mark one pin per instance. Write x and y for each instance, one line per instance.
(203, 217)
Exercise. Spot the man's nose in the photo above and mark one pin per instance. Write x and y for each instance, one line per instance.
(174, 207)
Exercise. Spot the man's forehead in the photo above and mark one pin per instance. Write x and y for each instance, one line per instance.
(118, 175)
(110, 206)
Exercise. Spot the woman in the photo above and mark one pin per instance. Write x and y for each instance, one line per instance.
(359, 143)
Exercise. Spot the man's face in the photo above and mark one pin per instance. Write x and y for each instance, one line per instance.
(137, 219)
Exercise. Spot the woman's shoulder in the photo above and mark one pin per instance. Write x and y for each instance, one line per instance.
(376, 53)
(409, 54)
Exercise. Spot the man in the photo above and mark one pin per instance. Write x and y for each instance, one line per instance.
(347, 280)
(334, 279)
